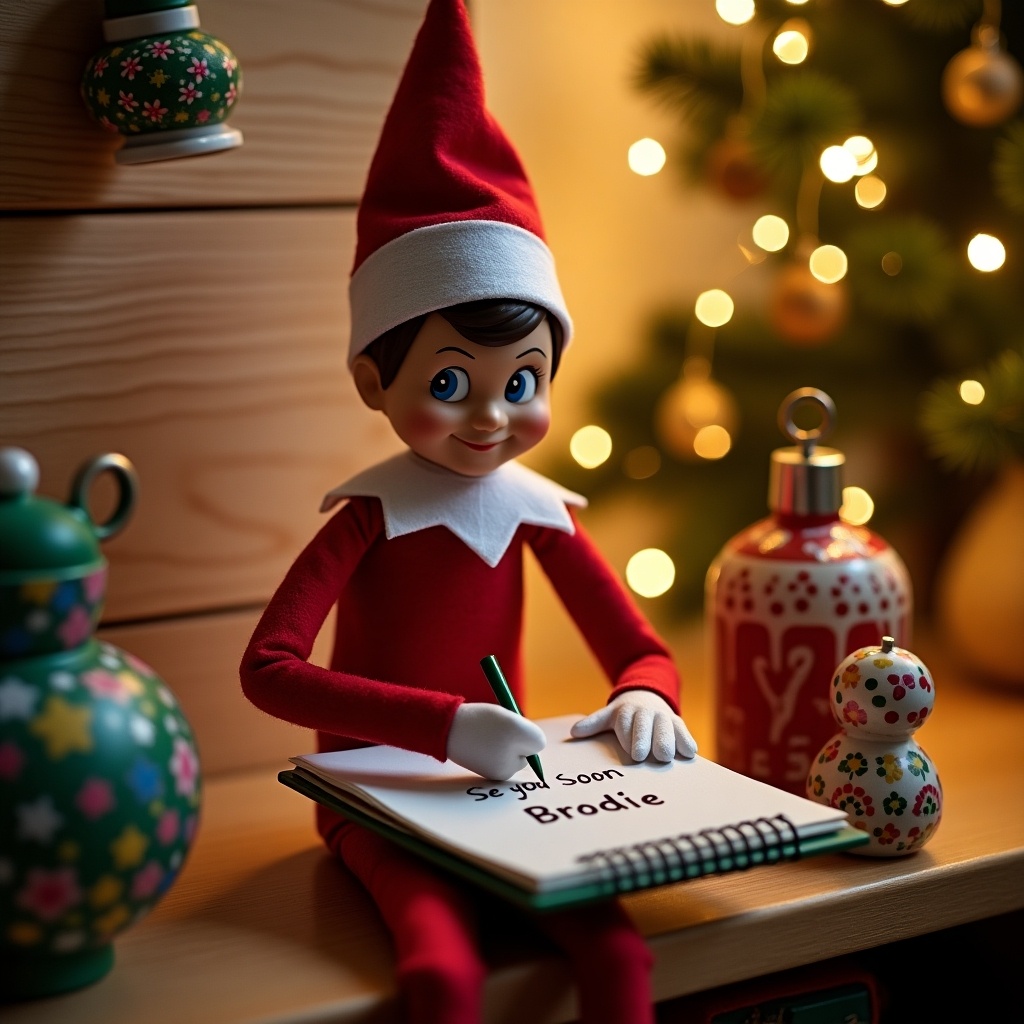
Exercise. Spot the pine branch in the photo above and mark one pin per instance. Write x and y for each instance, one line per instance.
(1008, 167)
(979, 437)
(802, 114)
(696, 77)
(901, 268)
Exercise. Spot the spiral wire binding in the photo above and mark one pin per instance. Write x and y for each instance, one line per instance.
(693, 855)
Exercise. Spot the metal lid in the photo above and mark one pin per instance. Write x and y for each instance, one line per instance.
(806, 479)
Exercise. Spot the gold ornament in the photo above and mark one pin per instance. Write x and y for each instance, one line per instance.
(983, 85)
(694, 403)
(804, 310)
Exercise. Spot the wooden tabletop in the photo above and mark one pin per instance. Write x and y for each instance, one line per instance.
(263, 926)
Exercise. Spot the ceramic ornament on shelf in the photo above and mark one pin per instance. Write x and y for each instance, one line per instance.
(874, 768)
(161, 82)
(786, 599)
(99, 775)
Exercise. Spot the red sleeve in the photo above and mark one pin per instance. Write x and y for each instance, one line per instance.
(278, 679)
(625, 644)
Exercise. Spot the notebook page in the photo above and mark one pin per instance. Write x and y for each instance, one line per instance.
(594, 799)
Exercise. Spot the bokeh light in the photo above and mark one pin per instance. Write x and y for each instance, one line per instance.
(986, 253)
(972, 392)
(838, 164)
(712, 442)
(857, 507)
(642, 462)
(714, 308)
(863, 151)
(793, 42)
(735, 12)
(870, 192)
(828, 263)
(646, 157)
(650, 572)
(771, 233)
(590, 446)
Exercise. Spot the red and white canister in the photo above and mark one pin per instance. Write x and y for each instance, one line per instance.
(789, 598)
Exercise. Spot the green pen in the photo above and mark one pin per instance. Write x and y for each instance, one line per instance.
(501, 690)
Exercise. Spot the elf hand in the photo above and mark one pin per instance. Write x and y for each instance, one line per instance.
(491, 741)
(643, 723)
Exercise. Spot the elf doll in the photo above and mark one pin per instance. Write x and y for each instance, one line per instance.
(458, 327)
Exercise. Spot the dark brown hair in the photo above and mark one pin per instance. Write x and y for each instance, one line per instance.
(492, 322)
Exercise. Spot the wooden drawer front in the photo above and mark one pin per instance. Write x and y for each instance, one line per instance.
(318, 78)
(208, 348)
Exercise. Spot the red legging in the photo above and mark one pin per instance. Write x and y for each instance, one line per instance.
(433, 925)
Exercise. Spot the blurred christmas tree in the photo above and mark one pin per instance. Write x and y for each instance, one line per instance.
(871, 142)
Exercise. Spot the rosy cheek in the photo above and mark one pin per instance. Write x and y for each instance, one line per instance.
(535, 424)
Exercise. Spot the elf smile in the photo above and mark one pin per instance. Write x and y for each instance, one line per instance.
(478, 447)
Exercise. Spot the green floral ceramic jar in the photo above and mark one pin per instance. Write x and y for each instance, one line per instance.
(161, 82)
(99, 775)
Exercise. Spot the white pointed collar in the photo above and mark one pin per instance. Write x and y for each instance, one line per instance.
(483, 511)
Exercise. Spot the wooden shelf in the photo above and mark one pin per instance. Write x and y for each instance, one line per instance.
(263, 926)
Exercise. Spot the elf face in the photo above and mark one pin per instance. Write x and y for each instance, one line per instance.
(464, 406)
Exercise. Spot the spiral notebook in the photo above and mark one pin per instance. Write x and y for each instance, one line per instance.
(599, 826)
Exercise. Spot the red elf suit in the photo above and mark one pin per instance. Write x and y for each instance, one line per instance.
(425, 565)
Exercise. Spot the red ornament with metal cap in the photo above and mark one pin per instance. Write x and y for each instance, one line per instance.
(787, 599)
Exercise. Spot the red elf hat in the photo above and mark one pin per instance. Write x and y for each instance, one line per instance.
(447, 215)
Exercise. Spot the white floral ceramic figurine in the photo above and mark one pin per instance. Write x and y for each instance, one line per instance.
(874, 768)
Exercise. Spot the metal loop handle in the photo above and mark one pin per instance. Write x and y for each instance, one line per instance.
(127, 487)
(807, 396)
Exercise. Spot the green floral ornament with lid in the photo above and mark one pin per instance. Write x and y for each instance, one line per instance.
(161, 82)
(99, 776)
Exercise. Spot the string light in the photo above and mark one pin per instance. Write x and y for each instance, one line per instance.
(793, 42)
(735, 12)
(714, 308)
(771, 233)
(828, 264)
(650, 572)
(590, 446)
(870, 192)
(892, 263)
(646, 157)
(857, 507)
(972, 392)
(986, 253)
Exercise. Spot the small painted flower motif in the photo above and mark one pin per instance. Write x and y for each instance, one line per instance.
(11, 761)
(94, 586)
(167, 827)
(128, 101)
(894, 804)
(853, 764)
(917, 765)
(928, 801)
(76, 628)
(143, 778)
(48, 894)
(854, 714)
(202, 117)
(850, 676)
(854, 800)
(146, 881)
(130, 66)
(103, 684)
(200, 69)
(99, 67)
(95, 798)
(188, 93)
(889, 768)
(231, 95)
(830, 752)
(817, 785)
(881, 661)
(184, 767)
(162, 50)
(886, 834)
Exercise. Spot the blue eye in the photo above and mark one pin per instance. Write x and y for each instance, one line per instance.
(521, 386)
(450, 385)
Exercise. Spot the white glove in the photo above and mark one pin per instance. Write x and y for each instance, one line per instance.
(643, 723)
(491, 741)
